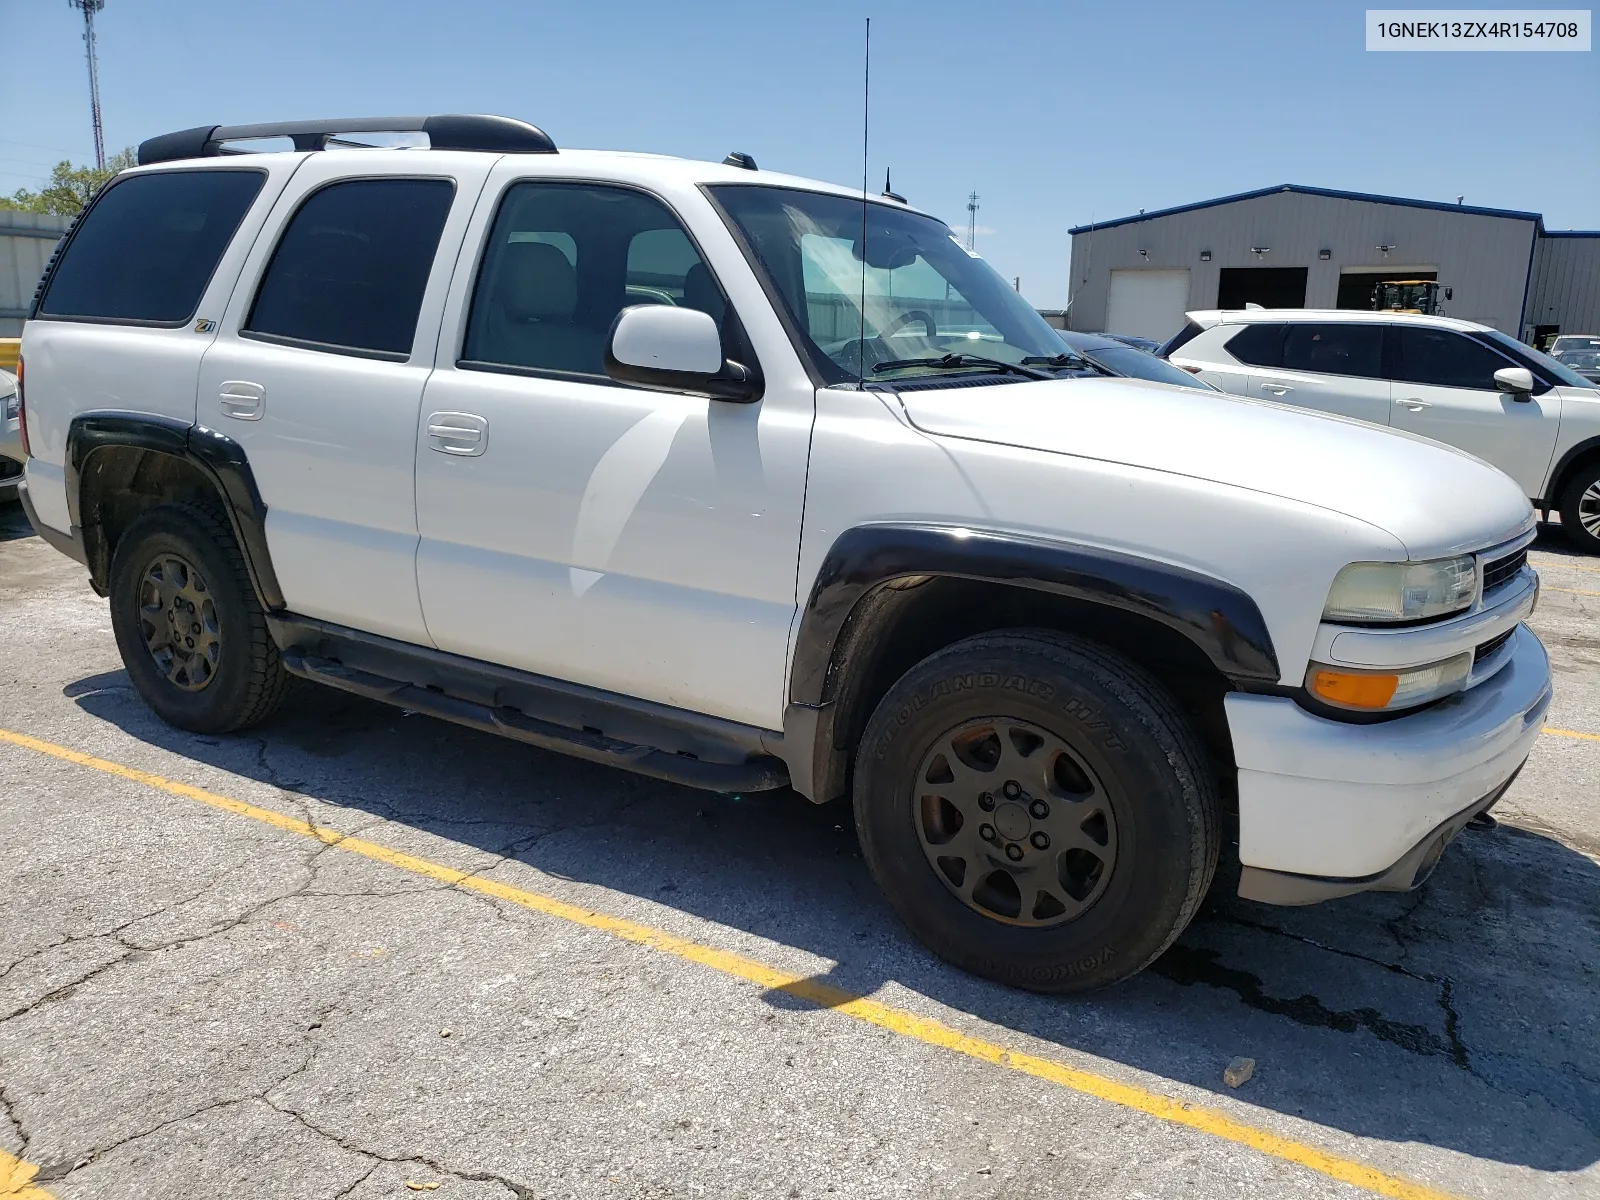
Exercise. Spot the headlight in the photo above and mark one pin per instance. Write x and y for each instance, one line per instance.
(1380, 691)
(1384, 592)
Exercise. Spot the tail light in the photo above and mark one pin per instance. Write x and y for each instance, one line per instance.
(22, 413)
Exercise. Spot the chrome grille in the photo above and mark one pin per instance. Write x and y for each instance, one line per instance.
(1501, 570)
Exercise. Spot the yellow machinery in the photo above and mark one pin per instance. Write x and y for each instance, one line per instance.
(1410, 296)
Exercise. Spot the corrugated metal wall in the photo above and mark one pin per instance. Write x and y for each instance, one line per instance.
(26, 240)
(1566, 282)
(1485, 259)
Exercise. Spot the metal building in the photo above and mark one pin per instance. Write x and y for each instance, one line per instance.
(1304, 247)
(26, 240)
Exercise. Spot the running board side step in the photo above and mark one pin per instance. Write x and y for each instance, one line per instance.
(760, 773)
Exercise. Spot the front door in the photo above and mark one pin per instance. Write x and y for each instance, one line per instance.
(1444, 389)
(635, 541)
(318, 370)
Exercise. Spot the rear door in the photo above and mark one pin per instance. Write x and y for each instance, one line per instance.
(319, 366)
(130, 306)
(1444, 389)
(1331, 367)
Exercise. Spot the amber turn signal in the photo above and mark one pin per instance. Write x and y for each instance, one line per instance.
(1353, 689)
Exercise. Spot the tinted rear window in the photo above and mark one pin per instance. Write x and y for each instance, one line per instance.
(1183, 337)
(1259, 345)
(351, 268)
(1335, 349)
(146, 249)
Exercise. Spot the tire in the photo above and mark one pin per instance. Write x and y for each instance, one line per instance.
(1580, 508)
(232, 678)
(1099, 749)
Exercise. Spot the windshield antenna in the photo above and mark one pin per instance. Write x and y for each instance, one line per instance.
(866, 97)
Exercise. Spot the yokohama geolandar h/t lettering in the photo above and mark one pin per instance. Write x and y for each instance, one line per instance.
(417, 424)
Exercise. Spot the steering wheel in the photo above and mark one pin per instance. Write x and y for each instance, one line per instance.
(905, 318)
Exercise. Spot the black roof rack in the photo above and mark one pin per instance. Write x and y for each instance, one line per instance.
(449, 131)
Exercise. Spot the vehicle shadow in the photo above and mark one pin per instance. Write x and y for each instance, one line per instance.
(13, 521)
(1462, 1015)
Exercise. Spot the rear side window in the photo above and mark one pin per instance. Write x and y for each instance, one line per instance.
(1183, 337)
(1335, 349)
(1443, 358)
(1258, 345)
(145, 251)
(350, 270)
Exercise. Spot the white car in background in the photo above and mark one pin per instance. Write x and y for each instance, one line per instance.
(11, 456)
(1458, 382)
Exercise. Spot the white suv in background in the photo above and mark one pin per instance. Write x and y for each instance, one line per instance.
(1458, 382)
(600, 452)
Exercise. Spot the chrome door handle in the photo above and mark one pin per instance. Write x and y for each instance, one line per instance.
(242, 400)
(464, 434)
(1277, 389)
(1414, 404)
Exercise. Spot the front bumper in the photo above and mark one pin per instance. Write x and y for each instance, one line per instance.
(1328, 808)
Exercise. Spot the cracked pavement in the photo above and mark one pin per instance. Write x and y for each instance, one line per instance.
(196, 1005)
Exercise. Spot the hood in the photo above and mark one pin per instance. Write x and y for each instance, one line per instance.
(1436, 499)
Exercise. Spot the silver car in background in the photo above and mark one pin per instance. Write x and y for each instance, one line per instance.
(11, 456)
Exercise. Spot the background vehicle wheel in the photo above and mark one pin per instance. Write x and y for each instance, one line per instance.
(1580, 509)
(1037, 810)
(188, 625)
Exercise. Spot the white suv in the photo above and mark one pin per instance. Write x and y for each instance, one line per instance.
(599, 451)
(1458, 382)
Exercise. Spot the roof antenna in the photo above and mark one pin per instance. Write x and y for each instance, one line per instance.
(888, 189)
(866, 95)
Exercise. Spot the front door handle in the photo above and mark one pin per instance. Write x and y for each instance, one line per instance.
(464, 434)
(1413, 403)
(242, 400)
(1277, 389)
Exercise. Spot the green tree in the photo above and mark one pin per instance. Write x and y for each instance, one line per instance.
(70, 187)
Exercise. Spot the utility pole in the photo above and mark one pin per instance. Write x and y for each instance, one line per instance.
(972, 219)
(89, 8)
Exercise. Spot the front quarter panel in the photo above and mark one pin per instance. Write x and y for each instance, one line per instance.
(869, 466)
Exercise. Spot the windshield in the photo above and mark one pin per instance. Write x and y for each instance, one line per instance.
(1136, 364)
(1579, 360)
(1526, 355)
(926, 296)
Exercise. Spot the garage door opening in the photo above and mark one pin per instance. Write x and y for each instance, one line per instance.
(1147, 303)
(1356, 284)
(1270, 287)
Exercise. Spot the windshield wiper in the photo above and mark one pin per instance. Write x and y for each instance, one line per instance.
(946, 362)
(1080, 362)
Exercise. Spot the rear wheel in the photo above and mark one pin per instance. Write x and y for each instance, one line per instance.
(1037, 810)
(1580, 508)
(188, 625)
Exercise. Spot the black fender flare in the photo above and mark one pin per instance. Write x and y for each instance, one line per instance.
(1219, 618)
(869, 561)
(218, 458)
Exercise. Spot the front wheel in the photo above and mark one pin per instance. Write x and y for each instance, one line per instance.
(1580, 509)
(1037, 810)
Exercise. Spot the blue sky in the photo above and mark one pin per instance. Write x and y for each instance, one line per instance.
(1057, 113)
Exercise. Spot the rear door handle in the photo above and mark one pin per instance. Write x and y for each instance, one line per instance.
(1413, 403)
(1277, 389)
(464, 434)
(242, 400)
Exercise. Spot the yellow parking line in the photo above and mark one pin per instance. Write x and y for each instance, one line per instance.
(1569, 591)
(1571, 733)
(16, 1180)
(1556, 564)
(896, 1020)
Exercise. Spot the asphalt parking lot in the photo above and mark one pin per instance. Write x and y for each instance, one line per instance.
(364, 954)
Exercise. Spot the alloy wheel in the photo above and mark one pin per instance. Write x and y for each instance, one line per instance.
(178, 621)
(1589, 509)
(1015, 823)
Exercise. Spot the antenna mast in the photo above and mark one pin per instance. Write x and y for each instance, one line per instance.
(89, 8)
(972, 221)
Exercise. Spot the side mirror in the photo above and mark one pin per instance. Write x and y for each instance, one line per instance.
(671, 349)
(1516, 380)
